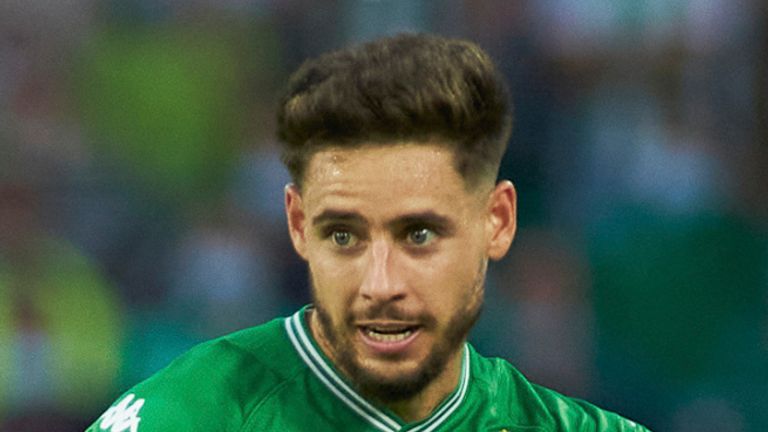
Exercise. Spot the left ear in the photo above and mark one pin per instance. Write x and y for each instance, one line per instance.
(502, 219)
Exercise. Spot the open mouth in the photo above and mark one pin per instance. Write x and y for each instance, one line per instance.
(388, 334)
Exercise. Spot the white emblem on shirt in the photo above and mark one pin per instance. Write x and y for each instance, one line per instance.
(123, 417)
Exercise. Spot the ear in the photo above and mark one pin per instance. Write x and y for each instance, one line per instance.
(294, 212)
(502, 219)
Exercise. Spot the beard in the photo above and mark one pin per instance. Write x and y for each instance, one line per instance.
(405, 385)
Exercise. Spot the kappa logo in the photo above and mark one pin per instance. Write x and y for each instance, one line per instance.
(123, 417)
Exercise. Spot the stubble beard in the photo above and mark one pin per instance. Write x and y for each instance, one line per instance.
(406, 385)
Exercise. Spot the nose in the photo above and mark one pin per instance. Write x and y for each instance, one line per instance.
(381, 282)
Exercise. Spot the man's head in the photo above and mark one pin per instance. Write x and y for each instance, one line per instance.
(417, 88)
(395, 145)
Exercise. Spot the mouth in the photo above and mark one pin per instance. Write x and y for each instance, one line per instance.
(387, 334)
(387, 337)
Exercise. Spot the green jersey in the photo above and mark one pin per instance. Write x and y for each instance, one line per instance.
(274, 377)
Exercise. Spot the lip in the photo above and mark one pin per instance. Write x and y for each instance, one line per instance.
(388, 347)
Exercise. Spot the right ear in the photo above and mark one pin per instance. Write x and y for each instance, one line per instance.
(294, 212)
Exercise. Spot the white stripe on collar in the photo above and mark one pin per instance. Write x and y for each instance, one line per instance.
(300, 338)
(330, 379)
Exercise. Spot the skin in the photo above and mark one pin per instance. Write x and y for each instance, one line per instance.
(396, 240)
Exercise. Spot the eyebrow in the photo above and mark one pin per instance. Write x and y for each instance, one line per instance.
(331, 215)
(428, 217)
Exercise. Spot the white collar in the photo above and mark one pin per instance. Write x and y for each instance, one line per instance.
(303, 342)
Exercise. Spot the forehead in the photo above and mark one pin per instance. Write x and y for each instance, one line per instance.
(392, 177)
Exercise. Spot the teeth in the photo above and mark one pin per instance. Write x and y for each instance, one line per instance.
(388, 337)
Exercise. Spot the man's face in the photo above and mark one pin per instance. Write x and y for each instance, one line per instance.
(397, 247)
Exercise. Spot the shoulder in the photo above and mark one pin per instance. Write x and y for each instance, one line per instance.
(526, 404)
(211, 387)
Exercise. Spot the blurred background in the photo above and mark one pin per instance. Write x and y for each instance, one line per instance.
(141, 193)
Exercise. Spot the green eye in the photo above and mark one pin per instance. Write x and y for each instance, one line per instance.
(421, 236)
(342, 238)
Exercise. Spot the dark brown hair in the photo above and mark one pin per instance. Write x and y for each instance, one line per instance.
(411, 87)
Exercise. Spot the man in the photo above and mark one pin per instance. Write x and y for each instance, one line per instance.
(394, 148)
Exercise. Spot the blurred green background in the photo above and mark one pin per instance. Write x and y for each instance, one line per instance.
(141, 193)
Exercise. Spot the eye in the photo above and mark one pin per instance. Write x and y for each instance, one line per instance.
(421, 236)
(343, 238)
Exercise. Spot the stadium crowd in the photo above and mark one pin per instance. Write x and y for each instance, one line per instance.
(141, 193)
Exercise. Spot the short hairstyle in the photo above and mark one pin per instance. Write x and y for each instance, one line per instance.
(409, 87)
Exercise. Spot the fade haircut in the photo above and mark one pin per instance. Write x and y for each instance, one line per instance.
(410, 87)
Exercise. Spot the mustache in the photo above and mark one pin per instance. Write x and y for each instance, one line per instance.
(390, 312)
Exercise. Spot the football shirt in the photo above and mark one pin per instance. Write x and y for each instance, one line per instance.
(274, 377)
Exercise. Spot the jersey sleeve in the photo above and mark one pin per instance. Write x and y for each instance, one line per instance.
(600, 420)
(212, 387)
(148, 409)
(132, 413)
(191, 394)
(573, 414)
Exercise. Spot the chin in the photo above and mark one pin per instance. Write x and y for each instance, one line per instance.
(391, 371)
(393, 387)
(393, 381)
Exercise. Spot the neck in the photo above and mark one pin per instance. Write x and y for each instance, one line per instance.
(412, 409)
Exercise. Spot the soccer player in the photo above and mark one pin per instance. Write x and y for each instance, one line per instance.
(394, 147)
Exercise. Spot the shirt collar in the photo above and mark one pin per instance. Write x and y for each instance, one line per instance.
(310, 353)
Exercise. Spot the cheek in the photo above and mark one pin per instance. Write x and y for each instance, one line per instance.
(333, 282)
(447, 279)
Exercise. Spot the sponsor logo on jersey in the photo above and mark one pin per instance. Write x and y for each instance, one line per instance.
(123, 417)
